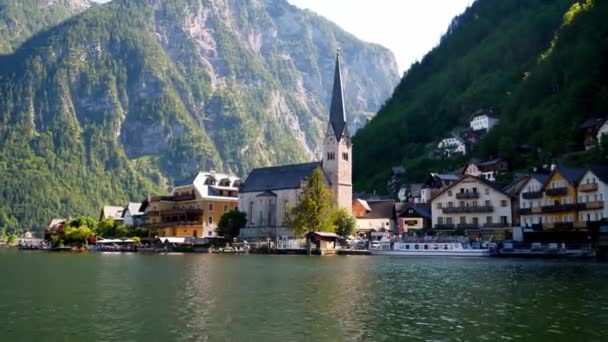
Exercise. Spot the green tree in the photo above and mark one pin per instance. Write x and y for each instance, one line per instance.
(231, 223)
(12, 239)
(78, 235)
(315, 209)
(3, 234)
(346, 224)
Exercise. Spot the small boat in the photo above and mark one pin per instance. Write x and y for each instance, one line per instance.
(443, 249)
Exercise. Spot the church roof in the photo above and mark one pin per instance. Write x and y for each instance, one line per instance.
(337, 114)
(278, 177)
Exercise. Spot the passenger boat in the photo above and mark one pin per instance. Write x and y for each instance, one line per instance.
(429, 248)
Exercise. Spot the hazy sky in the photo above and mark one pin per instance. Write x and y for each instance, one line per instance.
(409, 28)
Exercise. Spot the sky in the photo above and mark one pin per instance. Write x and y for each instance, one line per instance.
(409, 28)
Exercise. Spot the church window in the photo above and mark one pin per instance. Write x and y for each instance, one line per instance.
(331, 156)
(345, 156)
(251, 221)
(210, 219)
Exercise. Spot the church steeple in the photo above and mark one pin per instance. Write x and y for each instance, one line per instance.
(337, 114)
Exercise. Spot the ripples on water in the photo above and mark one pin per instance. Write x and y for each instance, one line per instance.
(133, 297)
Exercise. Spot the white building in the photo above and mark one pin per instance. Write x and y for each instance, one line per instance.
(452, 146)
(483, 121)
(592, 191)
(132, 215)
(268, 193)
(602, 132)
(474, 205)
(531, 200)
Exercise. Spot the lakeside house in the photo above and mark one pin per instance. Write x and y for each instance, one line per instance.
(452, 146)
(112, 211)
(412, 217)
(593, 129)
(132, 215)
(473, 205)
(559, 204)
(194, 209)
(269, 192)
(592, 190)
(435, 183)
(375, 218)
(531, 199)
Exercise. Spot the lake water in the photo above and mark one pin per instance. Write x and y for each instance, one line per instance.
(137, 297)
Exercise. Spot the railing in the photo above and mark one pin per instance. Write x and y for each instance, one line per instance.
(587, 187)
(537, 210)
(580, 224)
(467, 195)
(175, 212)
(559, 208)
(469, 209)
(532, 195)
(180, 198)
(556, 191)
(468, 226)
(525, 211)
(559, 225)
(174, 224)
(591, 205)
(445, 226)
(495, 225)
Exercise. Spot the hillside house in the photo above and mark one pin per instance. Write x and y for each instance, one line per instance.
(483, 120)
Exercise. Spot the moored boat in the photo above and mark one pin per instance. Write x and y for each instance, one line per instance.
(430, 248)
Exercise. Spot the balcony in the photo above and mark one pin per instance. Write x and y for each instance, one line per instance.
(557, 191)
(559, 226)
(525, 211)
(587, 187)
(580, 225)
(175, 212)
(445, 226)
(591, 205)
(496, 225)
(467, 195)
(532, 195)
(173, 224)
(559, 208)
(468, 226)
(468, 210)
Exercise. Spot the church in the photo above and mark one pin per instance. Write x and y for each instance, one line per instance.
(269, 192)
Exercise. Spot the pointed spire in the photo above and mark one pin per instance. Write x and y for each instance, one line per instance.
(337, 114)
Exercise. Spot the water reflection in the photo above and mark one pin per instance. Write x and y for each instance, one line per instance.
(277, 298)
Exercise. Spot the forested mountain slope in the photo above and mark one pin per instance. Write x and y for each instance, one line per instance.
(542, 64)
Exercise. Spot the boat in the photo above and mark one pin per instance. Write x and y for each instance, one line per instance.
(429, 248)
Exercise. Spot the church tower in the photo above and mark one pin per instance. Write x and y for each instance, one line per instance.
(337, 147)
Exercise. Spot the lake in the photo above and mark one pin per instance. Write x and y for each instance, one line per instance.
(137, 297)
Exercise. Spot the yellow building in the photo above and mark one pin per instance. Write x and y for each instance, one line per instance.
(559, 210)
(194, 209)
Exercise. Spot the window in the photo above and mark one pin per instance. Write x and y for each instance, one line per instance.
(225, 207)
(503, 220)
(487, 191)
(448, 220)
(331, 156)
(474, 190)
(450, 193)
(210, 233)
(450, 204)
(463, 220)
(489, 219)
(210, 206)
(488, 203)
(474, 203)
(438, 205)
(210, 220)
(461, 204)
(251, 221)
(503, 203)
(475, 221)
(440, 220)
(345, 156)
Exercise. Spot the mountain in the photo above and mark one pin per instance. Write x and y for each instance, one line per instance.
(21, 19)
(130, 96)
(541, 64)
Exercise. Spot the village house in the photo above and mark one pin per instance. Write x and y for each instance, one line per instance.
(592, 130)
(483, 120)
(488, 170)
(374, 218)
(192, 210)
(434, 183)
(411, 193)
(531, 199)
(475, 206)
(112, 212)
(268, 193)
(452, 146)
(560, 199)
(592, 190)
(132, 215)
(412, 217)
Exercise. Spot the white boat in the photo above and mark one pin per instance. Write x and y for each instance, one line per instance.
(445, 249)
